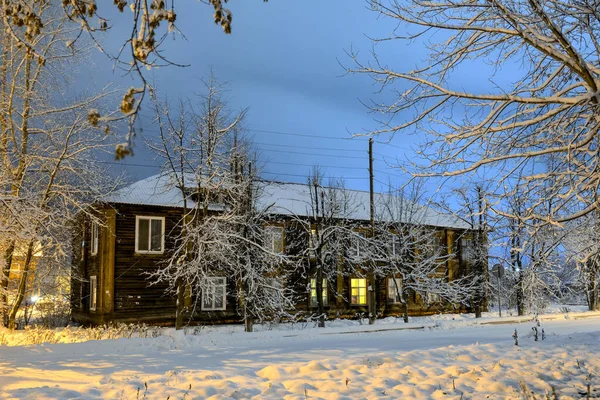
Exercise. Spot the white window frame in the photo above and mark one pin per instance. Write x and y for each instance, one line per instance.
(94, 235)
(275, 287)
(313, 241)
(391, 290)
(352, 286)
(360, 236)
(467, 250)
(215, 281)
(162, 236)
(434, 247)
(394, 243)
(93, 292)
(432, 298)
(83, 242)
(270, 238)
(313, 293)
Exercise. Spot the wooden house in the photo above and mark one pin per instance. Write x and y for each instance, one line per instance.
(110, 272)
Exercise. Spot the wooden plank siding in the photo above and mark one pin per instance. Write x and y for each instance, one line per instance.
(125, 293)
(85, 266)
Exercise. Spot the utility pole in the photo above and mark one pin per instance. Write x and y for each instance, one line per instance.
(248, 319)
(372, 298)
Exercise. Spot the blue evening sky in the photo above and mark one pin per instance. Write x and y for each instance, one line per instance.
(283, 62)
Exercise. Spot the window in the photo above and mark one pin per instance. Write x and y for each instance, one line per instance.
(433, 247)
(274, 287)
(313, 293)
(358, 291)
(83, 242)
(94, 238)
(93, 292)
(467, 250)
(313, 242)
(274, 239)
(149, 234)
(394, 290)
(360, 244)
(394, 245)
(432, 298)
(213, 295)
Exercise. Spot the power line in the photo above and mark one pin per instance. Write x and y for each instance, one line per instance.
(313, 165)
(126, 164)
(383, 172)
(300, 134)
(306, 176)
(314, 154)
(310, 147)
(392, 145)
(324, 137)
(270, 162)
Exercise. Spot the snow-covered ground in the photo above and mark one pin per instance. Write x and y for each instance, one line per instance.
(450, 357)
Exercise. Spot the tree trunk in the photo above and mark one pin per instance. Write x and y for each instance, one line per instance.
(372, 299)
(243, 304)
(12, 317)
(319, 288)
(405, 312)
(180, 306)
(4, 278)
(520, 297)
(592, 285)
(248, 324)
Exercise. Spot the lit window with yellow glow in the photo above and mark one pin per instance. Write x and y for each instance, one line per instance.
(93, 292)
(313, 292)
(358, 291)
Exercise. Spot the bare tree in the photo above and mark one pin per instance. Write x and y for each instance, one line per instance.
(540, 270)
(412, 255)
(323, 236)
(583, 246)
(47, 148)
(334, 236)
(548, 106)
(221, 232)
(150, 23)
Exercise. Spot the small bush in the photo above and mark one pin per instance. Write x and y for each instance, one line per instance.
(39, 334)
(55, 313)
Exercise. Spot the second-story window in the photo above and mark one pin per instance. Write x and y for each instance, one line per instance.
(394, 244)
(149, 234)
(94, 238)
(313, 243)
(467, 250)
(360, 244)
(434, 248)
(274, 239)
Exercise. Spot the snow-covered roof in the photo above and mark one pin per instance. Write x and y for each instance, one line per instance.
(295, 199)
(283, 198)
(157, 190)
